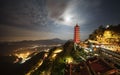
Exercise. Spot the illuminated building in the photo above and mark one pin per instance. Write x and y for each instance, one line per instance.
(107, 34)
(76, 34)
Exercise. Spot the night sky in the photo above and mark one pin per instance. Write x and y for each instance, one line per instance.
(48, 19)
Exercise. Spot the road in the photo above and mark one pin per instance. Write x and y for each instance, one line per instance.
(110, 55)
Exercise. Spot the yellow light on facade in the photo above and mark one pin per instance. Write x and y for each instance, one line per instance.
(54, 55)
(69, 59)
(107, 34)
(58, 51)
(46, 55)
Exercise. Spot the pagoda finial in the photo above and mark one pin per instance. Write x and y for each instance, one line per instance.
(77, 24)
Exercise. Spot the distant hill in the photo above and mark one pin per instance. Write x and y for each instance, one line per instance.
(7, 47)
(42, 42)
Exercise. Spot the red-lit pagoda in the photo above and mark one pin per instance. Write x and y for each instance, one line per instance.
(76, 34)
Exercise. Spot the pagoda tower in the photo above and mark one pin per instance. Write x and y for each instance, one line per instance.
(76, 34)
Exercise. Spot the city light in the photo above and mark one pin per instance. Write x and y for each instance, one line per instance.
(24, 56)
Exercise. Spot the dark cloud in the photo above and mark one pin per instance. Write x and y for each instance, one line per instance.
(44, 19)
(56, 7)
(24, 13)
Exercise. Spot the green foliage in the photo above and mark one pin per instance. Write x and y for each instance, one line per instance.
(97, 32)
(58, 68)
(115, 28)
(68, 48)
